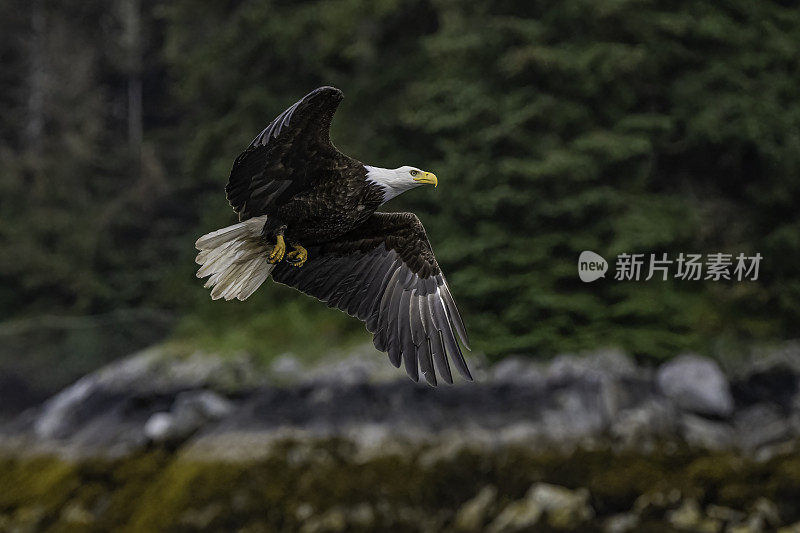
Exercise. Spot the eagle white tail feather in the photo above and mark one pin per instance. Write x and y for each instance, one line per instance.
(235, 258)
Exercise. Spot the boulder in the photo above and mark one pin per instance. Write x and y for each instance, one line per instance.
(517, 370)
(207, 404)
(703, 433)
(654, 504)
(191, 410)
(149, 374)
(155, 395)
(688, 517)
(653, 419)
(520, 515)
(472, 515)
(610, 374)
(771, 381)
(621, 523)
(360, 517)
(794, 528)
(561, 507)
(696, 384)
(760, 425)
(601, 362)
(286, 368)
(725, 514)
(565, 509)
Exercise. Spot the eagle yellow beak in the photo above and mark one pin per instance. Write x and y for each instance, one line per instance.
(427, 177)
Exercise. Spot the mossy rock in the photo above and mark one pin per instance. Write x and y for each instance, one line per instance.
(307, 485)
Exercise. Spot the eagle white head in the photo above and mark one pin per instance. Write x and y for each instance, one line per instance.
(395, 181)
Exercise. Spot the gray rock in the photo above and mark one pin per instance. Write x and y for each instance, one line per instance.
(602, 362)
(610, 373)
(786, 355)
(576, 414)
(172, 427)
(162, 427)
(688, 517)
(149, 373)
(794, 528)
(109, 411)
(767, 511)
(566, 509)
(725, 514)
(75, 514)
(794, 415)
(59, 413)
(704, 433)
(759, 425)
(653, 419)
(286, 368)
(339, 518)
(351, 370)
(562, 508)
(208, 404)
(520, 515)
(753, 524)
(621, 523)
(655, 503)
(472, 515)
(330, 521)
(191, 410)
(696, 384)
(517, 369)
(794, 424)
(572, 401)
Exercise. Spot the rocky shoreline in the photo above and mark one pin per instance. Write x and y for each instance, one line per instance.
(601, 398)
(595, 442)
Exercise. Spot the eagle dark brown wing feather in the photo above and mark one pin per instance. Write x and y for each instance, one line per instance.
(284, 158)
(384, 273)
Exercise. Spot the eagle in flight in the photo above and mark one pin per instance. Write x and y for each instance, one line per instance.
(292, 186)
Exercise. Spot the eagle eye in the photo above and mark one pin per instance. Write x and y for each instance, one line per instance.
(414, 172)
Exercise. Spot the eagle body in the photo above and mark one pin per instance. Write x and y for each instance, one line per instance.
(331, 207)
(337, 198)
(292, 185)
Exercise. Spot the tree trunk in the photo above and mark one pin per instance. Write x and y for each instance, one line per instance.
(37, 79)
(133, 43)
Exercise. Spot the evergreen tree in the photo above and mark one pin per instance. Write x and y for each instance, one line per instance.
(604, 125)
(615, 127)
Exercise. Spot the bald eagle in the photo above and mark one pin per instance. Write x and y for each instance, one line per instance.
(291, 185)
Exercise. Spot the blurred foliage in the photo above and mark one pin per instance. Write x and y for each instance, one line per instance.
(41, 355)
(608, 125)
(259, 326)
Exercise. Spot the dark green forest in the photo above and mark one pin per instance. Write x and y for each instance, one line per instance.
(618, 126)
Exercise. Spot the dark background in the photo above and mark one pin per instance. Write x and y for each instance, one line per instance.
(554, 127)
(129, 400)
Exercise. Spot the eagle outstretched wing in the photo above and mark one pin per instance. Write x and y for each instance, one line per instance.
(384, 273)
(286, 155)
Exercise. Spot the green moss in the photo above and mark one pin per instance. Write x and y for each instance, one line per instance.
(784, 483)
(325, 481)
(39, 486)
(275, 320)
(616, 489)
(183, 487)
(128, 480)
(718, 477)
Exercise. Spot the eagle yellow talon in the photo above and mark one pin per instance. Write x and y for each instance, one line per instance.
(298, 256)
(278, 250)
